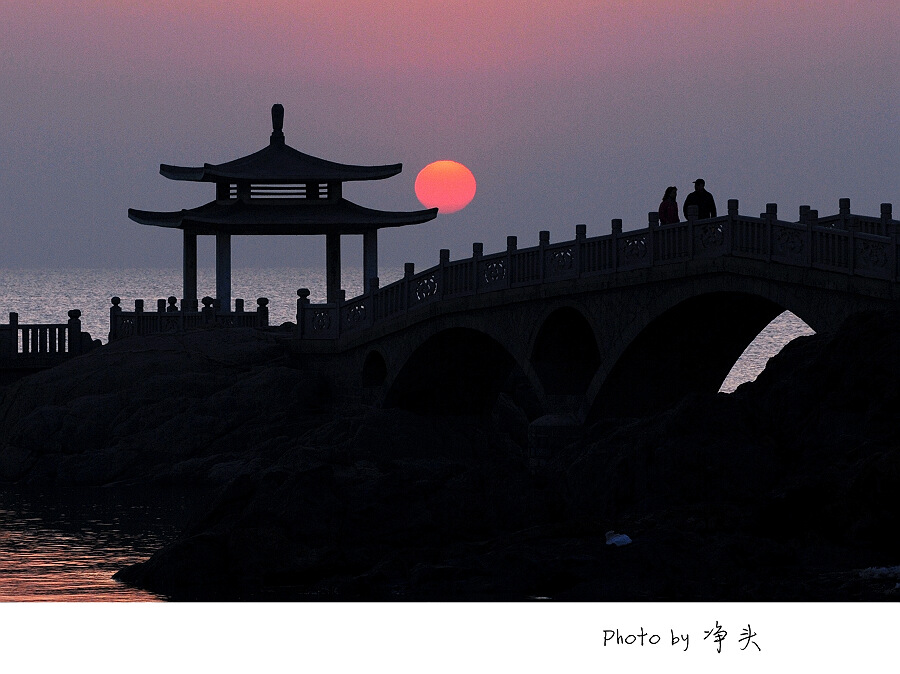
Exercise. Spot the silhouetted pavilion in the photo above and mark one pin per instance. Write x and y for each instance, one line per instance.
(279, 190)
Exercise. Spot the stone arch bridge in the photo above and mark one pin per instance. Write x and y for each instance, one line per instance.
(622, 324)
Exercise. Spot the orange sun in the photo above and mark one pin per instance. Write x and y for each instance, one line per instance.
(446, 184)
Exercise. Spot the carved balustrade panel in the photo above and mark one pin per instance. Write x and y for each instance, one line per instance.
(709, 238)
(873, 256)
(559, 262)
(356, 314)
(633, 251)
(126, 327)
(789, 243)
(493, 274)
(424, 289)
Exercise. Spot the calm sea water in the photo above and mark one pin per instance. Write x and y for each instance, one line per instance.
(46, 295)
(66, 547)
(54, 549)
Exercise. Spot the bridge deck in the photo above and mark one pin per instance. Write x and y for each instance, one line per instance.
(852, 245)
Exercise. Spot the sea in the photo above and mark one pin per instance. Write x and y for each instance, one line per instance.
(63, 548)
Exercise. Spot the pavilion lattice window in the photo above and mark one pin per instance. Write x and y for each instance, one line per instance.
(285, 191)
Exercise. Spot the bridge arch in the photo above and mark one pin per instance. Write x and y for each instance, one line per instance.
(374, 370)
(458, 370)
(564, 353)
(685, 347)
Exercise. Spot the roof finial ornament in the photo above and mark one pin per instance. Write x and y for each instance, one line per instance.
(277, 124)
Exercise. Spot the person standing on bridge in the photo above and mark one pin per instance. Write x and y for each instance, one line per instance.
(703, 200)
(668, 208)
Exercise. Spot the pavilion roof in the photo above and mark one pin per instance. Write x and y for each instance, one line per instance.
(279, 162)
(238, 216)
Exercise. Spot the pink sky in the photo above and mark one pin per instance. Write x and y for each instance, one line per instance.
(566, 112)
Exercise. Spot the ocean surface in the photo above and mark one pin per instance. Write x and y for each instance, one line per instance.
(55, 548)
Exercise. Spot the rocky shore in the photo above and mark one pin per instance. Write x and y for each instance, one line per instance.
(787, 489)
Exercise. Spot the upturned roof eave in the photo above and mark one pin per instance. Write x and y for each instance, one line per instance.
(280, 163)
(240, 217)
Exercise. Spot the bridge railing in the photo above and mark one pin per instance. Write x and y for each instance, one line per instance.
(168, 317)
(847, 243)
(38, 345)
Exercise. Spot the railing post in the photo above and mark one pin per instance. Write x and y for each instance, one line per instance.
(733, 206)
(477, 252)
(161, 306)
(443, 261)
(652, 226)
(302, 303)
(409, 270)
(262, 310)
(771, 216)
(811, 223)
(74, 330)
(138, 319)
(543, 242)
(616, 233)
(844, 213)
(691, 213)
(580, 236)
(14, 333)
(511, 244)
(890, 230)
(208, 310)
(114, 311)
(849, 226)
(239, 306)
(804, 220)
(886, 210)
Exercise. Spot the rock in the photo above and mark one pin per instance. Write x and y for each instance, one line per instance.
(784, 490)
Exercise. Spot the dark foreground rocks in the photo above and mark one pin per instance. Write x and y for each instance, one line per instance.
(788, 489)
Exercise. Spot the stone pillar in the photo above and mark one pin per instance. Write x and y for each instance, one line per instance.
(74, 332)
(370, 258)
(223, 271)
(189, 262)
(333, 267)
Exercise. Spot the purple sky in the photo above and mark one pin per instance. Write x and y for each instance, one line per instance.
(566, 112)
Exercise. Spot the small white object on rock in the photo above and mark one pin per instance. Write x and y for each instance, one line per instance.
(612, 538)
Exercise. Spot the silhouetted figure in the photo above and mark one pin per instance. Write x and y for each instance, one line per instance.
(703, 200)
(668, 208)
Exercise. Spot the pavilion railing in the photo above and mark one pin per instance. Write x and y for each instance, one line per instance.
(40, 345)
(852, 244)
(169, 317)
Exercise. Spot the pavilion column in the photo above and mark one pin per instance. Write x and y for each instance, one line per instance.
(189, 267)
(333, 267)
(370, 257)
(223, 271)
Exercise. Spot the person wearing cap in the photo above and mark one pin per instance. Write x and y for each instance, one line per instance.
(703, 200)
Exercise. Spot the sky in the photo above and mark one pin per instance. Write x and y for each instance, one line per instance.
(566, 112)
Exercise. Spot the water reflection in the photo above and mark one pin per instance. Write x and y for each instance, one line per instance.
(768, 343)
(67, 547)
